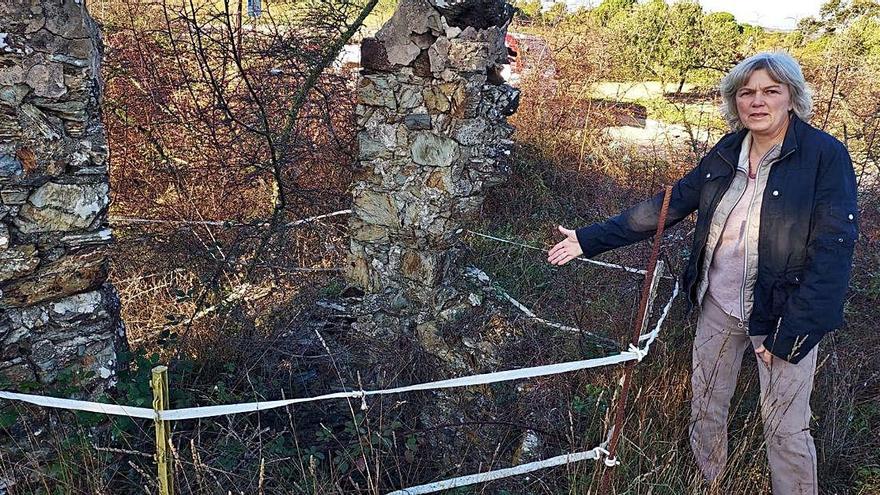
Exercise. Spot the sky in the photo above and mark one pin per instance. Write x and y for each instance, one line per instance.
(767, 13)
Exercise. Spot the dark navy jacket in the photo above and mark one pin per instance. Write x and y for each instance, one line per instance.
(808, 230)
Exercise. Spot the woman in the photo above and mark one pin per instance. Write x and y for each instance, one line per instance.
(776, 226)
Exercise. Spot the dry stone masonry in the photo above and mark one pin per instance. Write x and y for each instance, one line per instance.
(433, 135)
(57, 311)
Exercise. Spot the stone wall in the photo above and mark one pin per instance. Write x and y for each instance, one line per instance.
(56, 309)
(433, 135)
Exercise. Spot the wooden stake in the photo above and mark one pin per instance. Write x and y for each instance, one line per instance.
(159, 384)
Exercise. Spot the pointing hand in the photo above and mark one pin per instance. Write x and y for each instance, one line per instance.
(566, 250)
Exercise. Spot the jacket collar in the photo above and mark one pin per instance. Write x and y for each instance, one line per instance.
(729, 147)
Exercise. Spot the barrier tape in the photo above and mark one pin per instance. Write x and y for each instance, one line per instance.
(81, 405)
(222, 223)
(595, 453)
(559, 460)
(481, 276)
(585, 260)
(211, 411)
(633, 354)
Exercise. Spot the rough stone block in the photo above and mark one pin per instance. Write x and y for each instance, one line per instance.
(468, 56)
(378, 90)
(18, 261)
(62, 207)
(376, 208)
(434, 150)
(377, 142)
(417, 121)
(69, 275)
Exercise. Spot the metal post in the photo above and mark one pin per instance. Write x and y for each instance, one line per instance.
(648, 286)
(159, 384)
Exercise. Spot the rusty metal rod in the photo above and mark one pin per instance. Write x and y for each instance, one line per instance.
(637, 327)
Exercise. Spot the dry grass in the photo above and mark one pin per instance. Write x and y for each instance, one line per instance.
(264, 345)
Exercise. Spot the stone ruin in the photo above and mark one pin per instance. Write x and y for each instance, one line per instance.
(432, 111)
(57, 310)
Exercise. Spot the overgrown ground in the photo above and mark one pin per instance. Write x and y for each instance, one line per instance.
(237, 324)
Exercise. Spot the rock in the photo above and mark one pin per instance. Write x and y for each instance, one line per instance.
(376, 208)
(417, 121)
(378, 90)
(377, 142)
(369, 233)
(14, 195)
(74, 110)
(10, 76)
(435, 99)
(411, 17)
(17, 261)
(76, 306)
(403, 53)
(469, 56)
(440, 179)
(69, 275)
(434, 150)
(38, 123)
(98, 238)
(373, 56)
(423, 41)
(62, 207)
(422, 267)
(10, 166)
(47, 80)
(470, 132)
(409, 97)
(10, 129)
(438, 55)
(4, 235)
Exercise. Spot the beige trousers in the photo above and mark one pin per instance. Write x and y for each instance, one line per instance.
(719, 346)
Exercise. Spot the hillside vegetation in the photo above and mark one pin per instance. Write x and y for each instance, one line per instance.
(217, 282)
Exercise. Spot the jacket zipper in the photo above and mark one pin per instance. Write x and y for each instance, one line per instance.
(712, 206)
(760, 232)
(742, 290)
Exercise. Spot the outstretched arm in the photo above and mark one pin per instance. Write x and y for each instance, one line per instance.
(632, 225)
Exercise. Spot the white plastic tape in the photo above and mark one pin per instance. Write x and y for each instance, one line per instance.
(486, 378)
(595, 453)
(483, 278)
(585, 260)
(81, 405)
(210, 411)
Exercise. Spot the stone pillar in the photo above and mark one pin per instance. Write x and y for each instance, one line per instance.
(57, 310)
(433, 135)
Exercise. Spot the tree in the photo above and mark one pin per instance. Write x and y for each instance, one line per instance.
(609, 8)
(636, 39)
(529, 10)
(683, 41)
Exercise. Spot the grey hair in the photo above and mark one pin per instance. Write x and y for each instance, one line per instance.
(782, 68)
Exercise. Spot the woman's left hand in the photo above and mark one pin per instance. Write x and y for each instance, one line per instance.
(764, 355)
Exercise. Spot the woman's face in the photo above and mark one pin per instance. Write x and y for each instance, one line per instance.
(763, 104)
